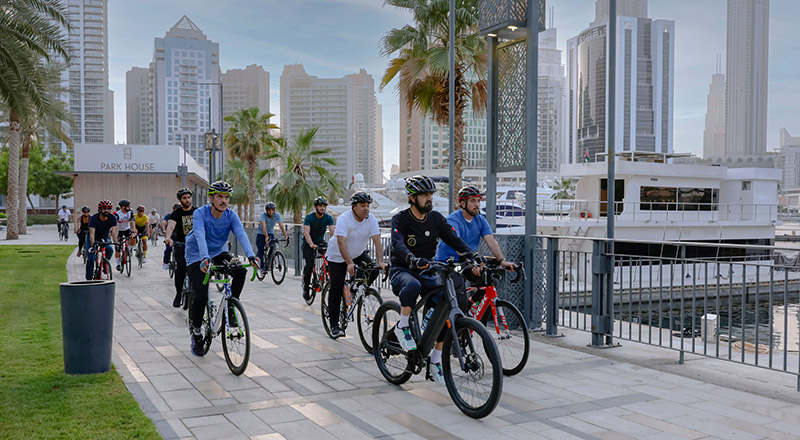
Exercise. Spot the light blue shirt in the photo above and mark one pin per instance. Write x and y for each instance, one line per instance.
(209, 236)
(471, 232)
(269, 222)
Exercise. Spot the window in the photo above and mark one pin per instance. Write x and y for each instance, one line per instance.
(747, 185)
(658, 198)
(663, 198)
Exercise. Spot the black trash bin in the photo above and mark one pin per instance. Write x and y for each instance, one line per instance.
(87, 323)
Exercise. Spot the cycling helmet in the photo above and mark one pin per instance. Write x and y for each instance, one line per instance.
(269, 205)
(321, 200)
(104, 204)
(220, 187)
(153, 211)
(183, 191)
(360, 197)
(420, 185)
(140, 208)
(85, 209)
(124, 202)
(176, 206)
(469, 192)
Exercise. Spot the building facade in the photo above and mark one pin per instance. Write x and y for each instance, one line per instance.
(347, 114)
(182, 90)
(746, 77)
(138, 106)
(244, 88)
(89, 101)
(714, 132)
(644, 84)
(789, 159)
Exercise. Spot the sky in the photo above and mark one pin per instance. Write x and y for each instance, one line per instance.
(333, 38)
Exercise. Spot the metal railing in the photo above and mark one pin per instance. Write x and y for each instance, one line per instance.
(732, 302)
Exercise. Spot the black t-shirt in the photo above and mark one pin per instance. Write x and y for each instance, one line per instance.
(184, 220)
(412, 237)
(84, 223)
(102, 227)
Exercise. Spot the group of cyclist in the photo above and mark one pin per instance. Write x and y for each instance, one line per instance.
(198, 237)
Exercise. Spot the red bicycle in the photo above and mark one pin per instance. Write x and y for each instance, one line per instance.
(506, 323)
(320, 275)
(125, 255)
(102, 268)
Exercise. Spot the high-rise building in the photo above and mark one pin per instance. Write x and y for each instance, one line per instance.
(182, 89)
(137, 106)
(644, 83)
(244, 88)
(424, 144)
(90, 102)
(347, 114)
(789, 159)
(714, 133)
(746, 76)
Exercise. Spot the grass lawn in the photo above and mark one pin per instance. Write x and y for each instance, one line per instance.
(37, 399)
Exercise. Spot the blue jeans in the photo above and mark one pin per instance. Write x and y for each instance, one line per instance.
(90, 257)
(261, 244)
(410, 284)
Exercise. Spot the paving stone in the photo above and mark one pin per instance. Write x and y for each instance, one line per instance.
(283, 414)
(249, 423)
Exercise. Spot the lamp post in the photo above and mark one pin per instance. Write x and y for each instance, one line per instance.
(221, 150)
(451, 105)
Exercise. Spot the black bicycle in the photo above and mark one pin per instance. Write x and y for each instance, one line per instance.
(320, 276)
(471, 364)
(186, 292)
(275, 264)
(63, 231)
(364, 304)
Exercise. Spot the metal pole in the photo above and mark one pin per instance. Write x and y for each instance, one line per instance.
(491, 135)
(451, 104)
(531, 132)
(611, 115)
(183, 170)
(221, 137)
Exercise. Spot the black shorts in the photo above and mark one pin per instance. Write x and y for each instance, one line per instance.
(125, 234)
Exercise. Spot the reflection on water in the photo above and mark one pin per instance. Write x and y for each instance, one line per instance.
(689, 322)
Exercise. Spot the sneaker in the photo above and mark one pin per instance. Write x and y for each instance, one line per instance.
(119, 268)
(404, 338)
(144, 260)
(306, 295)
(197, 345)
(232, 321)
(164, 266)
(177, 301)
(336, 333)
(435, 372)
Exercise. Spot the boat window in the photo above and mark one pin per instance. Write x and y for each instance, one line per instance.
(697, 199)
(659, 198)
(663, 198)
(516, 194)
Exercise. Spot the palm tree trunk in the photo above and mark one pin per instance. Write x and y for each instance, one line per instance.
(23, 185)
(251, 188)
(458, 132)
(12, 201)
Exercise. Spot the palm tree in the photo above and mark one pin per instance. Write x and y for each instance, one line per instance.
(30, 30)
(236, 175)
(304, 174)
(564, 188)
(249, 139)
(422, 64)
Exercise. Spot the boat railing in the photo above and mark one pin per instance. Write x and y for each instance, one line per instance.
(661, 211)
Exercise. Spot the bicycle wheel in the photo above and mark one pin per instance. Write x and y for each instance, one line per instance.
(511, 335)
(476, 388)
(171, 267)
(261, 274)
(106, 271)
(128, 262)
(139, 252)
(324, 314)
(392, 361)
(367, 308)
(218, 276)
(206, 331)
(186, 294)
(314, 285)
(278, 268)
(236, 338)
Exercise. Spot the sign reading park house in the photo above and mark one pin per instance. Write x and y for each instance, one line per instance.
(121, 158)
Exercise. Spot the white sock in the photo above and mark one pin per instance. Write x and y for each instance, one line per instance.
(403, 321)
(117, 261)
(436, 356)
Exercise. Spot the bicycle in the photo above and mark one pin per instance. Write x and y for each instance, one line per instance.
(186, 293)
(102, 267)
(275, 262)
(236, 338)
(63, 231)
(139, 250)
(506, 323)
(153, 235)
(363, 305)
(125, 256)
(320, 275)
(472, 368)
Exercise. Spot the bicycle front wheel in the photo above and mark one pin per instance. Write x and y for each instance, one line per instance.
(510, 333)
(139, 253)
(105, 272)
(476, 387)
(324, 313)
(236, 337)
(278, 268)
(128, 262)
(367, 308)
(392, 361)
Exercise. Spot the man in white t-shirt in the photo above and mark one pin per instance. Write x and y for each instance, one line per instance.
(63, 218)
(353, 231)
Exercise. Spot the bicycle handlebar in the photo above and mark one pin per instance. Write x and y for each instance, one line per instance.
(225, 267)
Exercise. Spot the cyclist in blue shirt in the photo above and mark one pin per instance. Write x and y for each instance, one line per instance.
(207, 245)
(101, 225)
(269, 218)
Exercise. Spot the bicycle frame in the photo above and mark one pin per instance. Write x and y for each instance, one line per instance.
(216, 324)
(487, 303)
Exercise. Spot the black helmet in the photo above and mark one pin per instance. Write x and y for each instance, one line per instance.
(269, 205)
(420, 185)
(124, 202)
(360, 197)
(183, 191)
(321, 200)
(63, 206)
(85, 209)
(469, 192)
(220, 187)
(176, 206)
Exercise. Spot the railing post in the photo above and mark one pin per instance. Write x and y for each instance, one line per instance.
(552, 287)
(298, 257)
(601, 319)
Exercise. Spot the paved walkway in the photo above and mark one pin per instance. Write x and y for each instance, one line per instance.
(302, 385)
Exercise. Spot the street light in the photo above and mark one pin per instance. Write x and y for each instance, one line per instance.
(213, 150)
